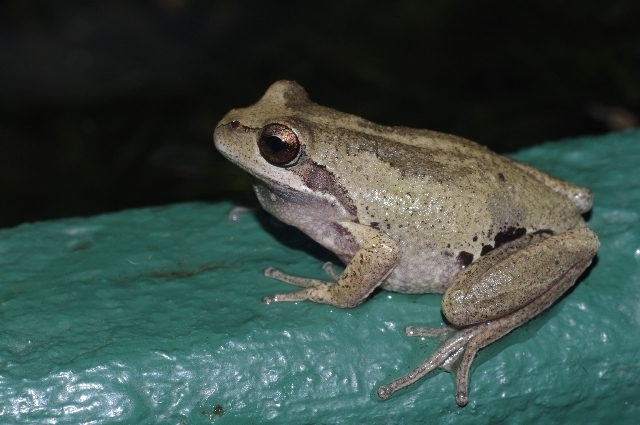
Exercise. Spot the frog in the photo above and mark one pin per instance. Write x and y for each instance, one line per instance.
(413, 211)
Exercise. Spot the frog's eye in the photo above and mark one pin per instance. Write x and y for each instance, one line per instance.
(279, 145)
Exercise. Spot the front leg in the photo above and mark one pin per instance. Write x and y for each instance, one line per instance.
(496, 294)
(375, 259)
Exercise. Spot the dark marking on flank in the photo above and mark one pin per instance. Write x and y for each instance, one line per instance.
(375, 225)
(475, 238)
(341, 230)
(486, 249)
(508, 235)
(501, 177)
(345, 240)
(464, 259)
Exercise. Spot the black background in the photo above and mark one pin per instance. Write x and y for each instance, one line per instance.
(106, 105)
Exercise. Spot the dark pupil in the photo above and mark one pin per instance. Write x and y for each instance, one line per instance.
(275, 144)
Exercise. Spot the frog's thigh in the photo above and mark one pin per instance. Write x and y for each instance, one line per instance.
(515, 274)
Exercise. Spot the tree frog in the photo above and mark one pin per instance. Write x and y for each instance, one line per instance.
(413, 211)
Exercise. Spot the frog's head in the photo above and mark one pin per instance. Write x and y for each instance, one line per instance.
(276, 141)
(267, 138)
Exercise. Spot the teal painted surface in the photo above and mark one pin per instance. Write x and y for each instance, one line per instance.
(153, 316)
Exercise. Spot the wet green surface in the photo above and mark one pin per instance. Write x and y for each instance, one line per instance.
(154, 316)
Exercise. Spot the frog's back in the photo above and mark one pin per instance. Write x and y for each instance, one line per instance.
(417, 183)
(411, 173)
(449, 201)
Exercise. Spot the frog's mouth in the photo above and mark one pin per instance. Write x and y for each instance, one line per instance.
(278, 189)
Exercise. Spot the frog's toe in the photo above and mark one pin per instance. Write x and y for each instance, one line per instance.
(290, 297)
(292, 280)
(462, 398)
(440, 333)
(318, 293)
(302, 295)
(384, 392)
(446, 357)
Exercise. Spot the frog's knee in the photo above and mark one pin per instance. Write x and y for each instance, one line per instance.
(453, 309)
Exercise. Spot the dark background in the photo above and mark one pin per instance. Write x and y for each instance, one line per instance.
(106, 105)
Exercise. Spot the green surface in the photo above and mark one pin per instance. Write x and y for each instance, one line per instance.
(154, 316)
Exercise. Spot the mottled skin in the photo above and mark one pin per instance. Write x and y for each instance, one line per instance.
(413, 211)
